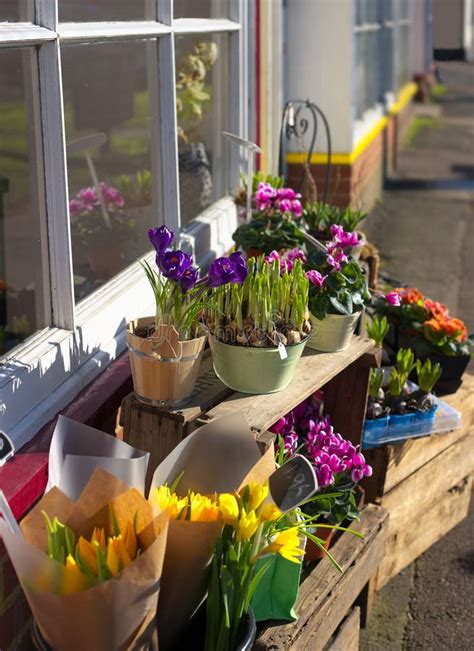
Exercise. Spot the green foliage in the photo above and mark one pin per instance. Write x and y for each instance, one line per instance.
(319, 217)
(378, 329)
(335, 503)
(405, 361)
(343, 292)
(375, 382)
(269, 233)
(396, 382)
(136, 190)
(428, 374)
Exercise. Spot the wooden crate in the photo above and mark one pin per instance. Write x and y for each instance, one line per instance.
(425, 484)
(348, 633)
(344, 375)
(326, 595)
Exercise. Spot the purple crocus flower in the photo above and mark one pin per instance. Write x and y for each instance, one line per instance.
(173, 264)
(188, 279)
(228, 270)
(393, 298)
(315, 278)
(161, 238)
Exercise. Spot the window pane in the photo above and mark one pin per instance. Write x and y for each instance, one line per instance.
(201, 9)
(202, 69)
(21, 274)
(97, 10)
(108, 134)
(16, 11)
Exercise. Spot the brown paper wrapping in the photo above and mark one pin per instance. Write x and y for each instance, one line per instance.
(109, 616)
(154, 379)
(220, 457)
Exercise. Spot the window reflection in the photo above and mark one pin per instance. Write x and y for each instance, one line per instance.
(202, 81)
(21, 273)
(108, 133)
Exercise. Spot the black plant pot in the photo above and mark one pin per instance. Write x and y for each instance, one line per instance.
(194, 638)
(452, 372)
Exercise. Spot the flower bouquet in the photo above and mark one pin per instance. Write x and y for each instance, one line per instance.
(91, 568)
(274, 222)
(337, 297)
(166, 350)
(259, 328)
(428, 328)
(338, 464)
(100, 228)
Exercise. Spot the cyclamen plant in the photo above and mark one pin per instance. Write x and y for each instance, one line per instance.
(338, 283)
(339, 465)
(180, 294)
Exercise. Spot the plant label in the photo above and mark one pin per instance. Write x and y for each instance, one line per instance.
(293, 483)
(7, 449)
(282, 351)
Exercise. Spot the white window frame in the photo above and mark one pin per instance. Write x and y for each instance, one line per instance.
(45, 373)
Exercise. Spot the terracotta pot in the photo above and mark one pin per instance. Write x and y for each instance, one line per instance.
(253, 252)
(164, 369)
(313, 552)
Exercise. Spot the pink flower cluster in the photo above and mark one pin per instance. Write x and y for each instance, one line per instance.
(343, 238)
(87, 199)
(286, 200)
(305, 431)
(287, 259)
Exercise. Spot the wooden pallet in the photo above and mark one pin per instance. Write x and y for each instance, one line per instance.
(326, 595)
(425, 484)
(344, 375)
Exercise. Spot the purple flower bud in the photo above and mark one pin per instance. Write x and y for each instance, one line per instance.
(188, 279)
(357, 474)
(173, 264)
(161, 238)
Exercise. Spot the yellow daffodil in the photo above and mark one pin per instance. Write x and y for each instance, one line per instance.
(229, 508)
(287, 544)
(248, 525)
(257, 494)
(269, 512)
(87, 553)
(74, 579)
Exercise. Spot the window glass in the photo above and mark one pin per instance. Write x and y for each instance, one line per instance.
(201, 8)
(21, 272)
(109, 152)
(202, 88)
(98, 10)
(16, 11)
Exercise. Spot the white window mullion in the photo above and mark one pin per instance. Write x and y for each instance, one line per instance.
(237, 94)
(168, 127)
(54, 143)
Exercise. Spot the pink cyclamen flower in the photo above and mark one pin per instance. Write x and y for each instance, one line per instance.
(75, 207)
(112, 196)
(393, 298)
(343, 238)
(89, 199)
(272, 256)
(315, 278)
(287, 193)
(264, 196)
(296, 208)
(336, 257)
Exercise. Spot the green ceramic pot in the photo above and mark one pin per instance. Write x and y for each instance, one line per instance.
(254, 370)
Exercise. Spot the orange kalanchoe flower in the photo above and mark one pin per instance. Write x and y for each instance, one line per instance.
(437, 310)
(409, 295)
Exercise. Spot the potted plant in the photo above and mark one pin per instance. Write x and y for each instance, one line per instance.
(431, 331)
(423, 400)
(165, 350)
(338, 295)
(273, 226)
(325, 221)
(338, 464)
(258, 330)
(377, 411)
(100, 229)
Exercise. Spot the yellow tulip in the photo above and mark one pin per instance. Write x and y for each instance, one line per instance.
(165, 499)
(130, 540)
(202, 509)
(117, 555)
(88, 555)
(74, 579)
(287, 544)
(248, 525)
(257, 494)
(269, 512)
(229, 508)
(98, 536)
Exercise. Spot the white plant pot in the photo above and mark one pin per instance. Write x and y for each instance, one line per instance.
(333, 333)
(355, 251)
